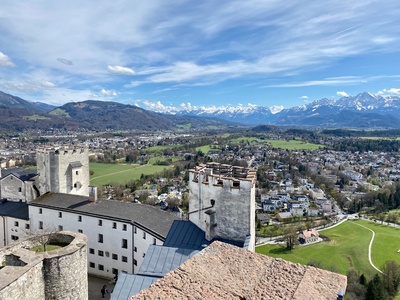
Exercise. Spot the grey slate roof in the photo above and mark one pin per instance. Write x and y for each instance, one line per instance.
(185, 234)
(14, 209)
(128, 285)
(150, 217)
(22, 174)
(75, 164)
(160, 260)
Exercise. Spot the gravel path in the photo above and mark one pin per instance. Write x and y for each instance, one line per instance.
(370, 246)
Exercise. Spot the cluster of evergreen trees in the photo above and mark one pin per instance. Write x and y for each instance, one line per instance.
(383, 286)
(365, 145)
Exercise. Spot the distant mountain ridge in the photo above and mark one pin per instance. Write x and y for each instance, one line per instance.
(18, 115)
(365, 110)
(11, 101)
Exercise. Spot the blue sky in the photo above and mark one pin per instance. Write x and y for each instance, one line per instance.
(158, 53)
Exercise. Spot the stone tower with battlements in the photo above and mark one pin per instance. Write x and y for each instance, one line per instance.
(63, 170)
(222, 202)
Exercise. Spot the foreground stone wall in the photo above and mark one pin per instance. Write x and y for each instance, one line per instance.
(29, 285)
(65, 273)
(57, 274)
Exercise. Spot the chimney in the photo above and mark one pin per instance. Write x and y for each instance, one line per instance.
(93, 193)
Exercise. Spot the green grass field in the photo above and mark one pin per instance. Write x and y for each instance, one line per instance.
(162, 148)
(154, 160)
(348, 247)
(374, 138)
(36, 117)
(205, 148)
(120, 173)
(293, 145)
(243, 139)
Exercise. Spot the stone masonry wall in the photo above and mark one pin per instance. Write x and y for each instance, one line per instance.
(234, 205)
(29, 285)
(66, 276)
(56, 174)
(57, 274)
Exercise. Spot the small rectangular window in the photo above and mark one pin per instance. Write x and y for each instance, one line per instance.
(124, 259)
(144, 235)
(115, 256)
(80, 230)
(124, 243)
(40, 225)
(60, 214)
(77, 172)
(91, 250)
(101, 267)
(92, 265)
(27, 226)
(14, 237)
(40, 211)
(100, 253)
(100, 223)
(20, 190)
(60, 228)
(135, 249)
(115, 271)
(114, 225)
(135, 262)
(134, 229)
(16, 224)
(79, 218)
(100, 239)
(154, 241)
(124, 227)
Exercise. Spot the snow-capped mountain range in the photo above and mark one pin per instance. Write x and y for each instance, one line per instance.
(364, 110)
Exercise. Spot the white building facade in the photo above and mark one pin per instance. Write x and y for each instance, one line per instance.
(117, 240)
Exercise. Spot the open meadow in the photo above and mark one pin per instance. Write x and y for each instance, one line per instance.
(347, 247)
(120, 173)
(282, 144)
(293, 145)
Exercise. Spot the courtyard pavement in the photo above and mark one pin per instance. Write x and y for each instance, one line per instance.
(95, 285)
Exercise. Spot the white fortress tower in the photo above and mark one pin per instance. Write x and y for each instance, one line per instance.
(222, 202)
(63, 170)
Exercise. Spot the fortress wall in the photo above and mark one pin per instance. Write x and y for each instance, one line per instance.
(57, 274)
(58, 176)
(29, 285)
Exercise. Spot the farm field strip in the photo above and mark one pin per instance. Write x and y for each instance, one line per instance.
(347, 248)
(118, 173)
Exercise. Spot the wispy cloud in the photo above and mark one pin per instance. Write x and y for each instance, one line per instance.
(120, 70)
(5, 61)
(108, 93)
(188, 43)
(342, 94)
(392, 91)
(304, 97)
(333, 81)
(27, 86)
(65, 61)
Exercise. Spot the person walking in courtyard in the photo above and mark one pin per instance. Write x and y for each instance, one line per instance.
(104, 291)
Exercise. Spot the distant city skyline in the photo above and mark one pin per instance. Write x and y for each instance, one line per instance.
(157, 54)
